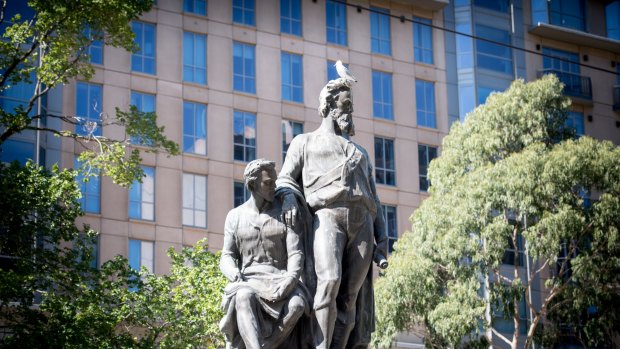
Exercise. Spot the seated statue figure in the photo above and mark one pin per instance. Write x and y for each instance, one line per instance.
(263, 259)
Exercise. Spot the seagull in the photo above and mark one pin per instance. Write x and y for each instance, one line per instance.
(343, 72)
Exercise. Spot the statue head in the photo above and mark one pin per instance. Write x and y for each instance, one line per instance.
(260, 176)
(335, 102)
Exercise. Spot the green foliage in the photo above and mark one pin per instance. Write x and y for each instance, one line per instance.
(51, 296)
(51, 49)
(511, 169)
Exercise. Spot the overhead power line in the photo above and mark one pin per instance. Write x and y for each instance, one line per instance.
(403, 19)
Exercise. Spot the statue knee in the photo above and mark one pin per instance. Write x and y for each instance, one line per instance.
(296, 305)
(244, 299)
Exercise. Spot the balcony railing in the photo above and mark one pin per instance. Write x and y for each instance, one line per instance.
(574, 85)
(616, 93)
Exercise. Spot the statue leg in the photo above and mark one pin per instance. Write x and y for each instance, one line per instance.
(329, 242)
(285, 325)
(355, 264)
(248, 309)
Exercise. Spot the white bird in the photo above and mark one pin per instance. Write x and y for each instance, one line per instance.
(343, 72)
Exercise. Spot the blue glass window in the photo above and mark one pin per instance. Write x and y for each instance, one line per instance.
(336, 22)
(95, 50)
(391, 228)
(14, 150)
(612, 20)
(88, 109)
(194, 200)
(563, 61)
(290, 17)
(569, 14)
(292, 77)
(426, 154)
(332, 74)
(575, 121)
(382, 95)
(145, 103)
(142, 196)
(290, 129)
(380, 31)
(90, 189)
(425, 103)
(242, 194)
(244, 137)
(144, 60)
(243, 12)
(422, 40)
(493, 56)
(194, 128)
(496, 5)
(243, 68)
(483, 94)
(141, 255)
(198, 7)
(195, 58)
(385, 172)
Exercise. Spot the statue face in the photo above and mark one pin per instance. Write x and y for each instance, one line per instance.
(265, 185)
(343, 113)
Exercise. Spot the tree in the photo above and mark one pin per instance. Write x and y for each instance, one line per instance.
(511, 172)
(49, 48)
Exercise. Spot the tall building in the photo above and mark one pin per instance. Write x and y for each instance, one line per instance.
(235, 80)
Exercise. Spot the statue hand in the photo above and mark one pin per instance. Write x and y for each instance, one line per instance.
(290, 210)
(284, 288)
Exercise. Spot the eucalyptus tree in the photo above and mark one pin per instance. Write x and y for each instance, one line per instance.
(517, 203)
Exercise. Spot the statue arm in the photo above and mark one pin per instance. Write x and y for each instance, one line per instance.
(293, 267)
(289, 183)
(229, 262)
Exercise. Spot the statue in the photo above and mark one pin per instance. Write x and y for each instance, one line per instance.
(333, 176)
(263, 260)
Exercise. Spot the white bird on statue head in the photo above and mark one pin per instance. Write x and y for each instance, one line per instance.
(343, 72)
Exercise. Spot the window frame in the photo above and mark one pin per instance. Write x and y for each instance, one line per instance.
(245, 78)
(423, 175)
(245, 147)
(392, 234)
(138, 188)
(194, 115)
(291, 17)
(88, 117)
(195, 7)
(336, 26)
(196, 72)
(383, 169)
(423, 40)
(426, 115)
(243, 14)
(185, 207)
(290, 87)
(293, 126)
(86, 189)
(382, 106)
(379, 29)
(139, 59)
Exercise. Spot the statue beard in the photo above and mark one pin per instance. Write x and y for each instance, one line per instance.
(344, 121)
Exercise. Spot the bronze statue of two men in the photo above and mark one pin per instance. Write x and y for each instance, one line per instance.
(298, 253)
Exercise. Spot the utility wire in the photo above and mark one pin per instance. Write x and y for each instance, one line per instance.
(403, 19)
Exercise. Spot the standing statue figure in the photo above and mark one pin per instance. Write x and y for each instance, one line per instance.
(335, 178)
(263, 260)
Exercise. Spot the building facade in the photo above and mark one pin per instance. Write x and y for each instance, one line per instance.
(235, 80)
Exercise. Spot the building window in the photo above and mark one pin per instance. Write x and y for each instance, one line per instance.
(145, 102)
(144, 60)
(95, 49)
(385, 172)
(391, 229)
(612, 20)
(380, 31)
(244, 136)
(292, 77)
(198, 7)
(495, 5)
(195, 58)
(568, 14)
(88, 109)
(290, 129)
(422, 40)
(575, 121)
(242, 194)
(484, 93)
(382, 95)
(290, 17)
(194, 128)
(426, 153)
(142, 196)
(336, 22)
(425, 103)
(243, 68)
(90, 189)
(503, 322)
(243, 12)
(509, 253)
(493, 56)
(14, 150)
(332, 74)
(194, 200)
(565, 65)
(141, 255)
